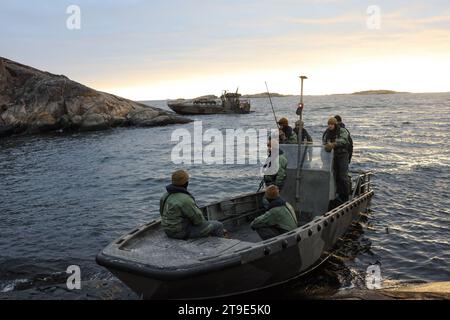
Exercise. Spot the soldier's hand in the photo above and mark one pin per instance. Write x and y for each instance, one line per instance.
(328, 147)
(281, 135)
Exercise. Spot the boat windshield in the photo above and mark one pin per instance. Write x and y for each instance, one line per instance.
(314, 157)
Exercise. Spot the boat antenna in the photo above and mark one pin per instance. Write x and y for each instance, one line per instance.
(276, 121)
(300, 162)
(271, 104)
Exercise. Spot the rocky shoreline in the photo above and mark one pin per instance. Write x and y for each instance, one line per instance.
(35, 101)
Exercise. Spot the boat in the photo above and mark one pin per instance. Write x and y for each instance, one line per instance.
(227, 103)
(156, 267)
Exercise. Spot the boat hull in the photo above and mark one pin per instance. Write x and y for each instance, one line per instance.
(205, 109)
(279, 260)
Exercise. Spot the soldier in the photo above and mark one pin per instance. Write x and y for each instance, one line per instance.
(306, 137)
(350, 140)
(287, 134)
(181, 217)
(337, 139)
(279, 218)
(278, 178)
(339, 121)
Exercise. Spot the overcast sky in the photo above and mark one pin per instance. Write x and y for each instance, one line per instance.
(169, 49)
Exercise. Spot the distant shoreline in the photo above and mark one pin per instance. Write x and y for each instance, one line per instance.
(265, 95)
(367, 92)
(359, 93)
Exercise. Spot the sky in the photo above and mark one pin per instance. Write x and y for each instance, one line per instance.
(150, 50)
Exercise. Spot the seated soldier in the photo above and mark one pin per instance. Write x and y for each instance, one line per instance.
(279, 218)
(181, 217)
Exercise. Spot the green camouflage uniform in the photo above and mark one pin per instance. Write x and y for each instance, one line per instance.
(292, 139)
(177, 208)
(282, 217)
(279, 178)
(341, 160)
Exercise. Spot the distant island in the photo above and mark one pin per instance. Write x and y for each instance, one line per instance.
(376, 92)
(264, 95)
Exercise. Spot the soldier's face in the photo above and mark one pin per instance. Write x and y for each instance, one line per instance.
(331, 127)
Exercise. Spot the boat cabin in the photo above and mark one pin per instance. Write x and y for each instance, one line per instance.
(317, 182)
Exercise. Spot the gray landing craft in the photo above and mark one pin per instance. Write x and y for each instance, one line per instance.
(156, 267)
(228, 103)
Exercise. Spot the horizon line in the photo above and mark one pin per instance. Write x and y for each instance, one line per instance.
(305, 95)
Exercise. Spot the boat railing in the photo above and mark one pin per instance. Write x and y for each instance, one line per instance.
(362, 182)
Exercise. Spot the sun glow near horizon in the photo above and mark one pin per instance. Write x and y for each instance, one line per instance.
(147, 51)
(336, 63)
(412, 74)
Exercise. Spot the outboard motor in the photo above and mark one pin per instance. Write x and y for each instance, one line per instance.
(317, 183)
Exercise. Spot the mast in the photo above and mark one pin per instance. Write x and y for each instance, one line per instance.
(299, 155)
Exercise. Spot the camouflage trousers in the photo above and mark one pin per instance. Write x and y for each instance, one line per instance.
(206, 229)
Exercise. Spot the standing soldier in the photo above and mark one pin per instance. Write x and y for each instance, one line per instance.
(278, 178)
(339, 121)
(350, 140)
(306, 137)
(337, 139)
(287, 134)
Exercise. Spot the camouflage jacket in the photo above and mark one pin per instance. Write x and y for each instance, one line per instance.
(177, 206)
(279, 178)
(341, 138)
(291, 136)
(280, 215)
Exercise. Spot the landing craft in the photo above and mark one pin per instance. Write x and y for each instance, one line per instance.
(228, 103)
(157, 267)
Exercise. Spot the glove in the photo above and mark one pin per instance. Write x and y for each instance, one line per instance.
(329, 147)
(281, 136)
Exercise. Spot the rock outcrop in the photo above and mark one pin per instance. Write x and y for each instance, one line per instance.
(427, 291)
(33, 101)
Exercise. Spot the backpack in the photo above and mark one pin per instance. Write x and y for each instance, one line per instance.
(349, 147)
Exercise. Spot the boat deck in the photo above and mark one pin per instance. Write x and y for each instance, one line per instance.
(244, 233)
(153, 247)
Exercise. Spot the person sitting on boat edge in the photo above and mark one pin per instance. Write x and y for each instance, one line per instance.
(279, 178)
(279, 218)
(287, 134)
(181, 217)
